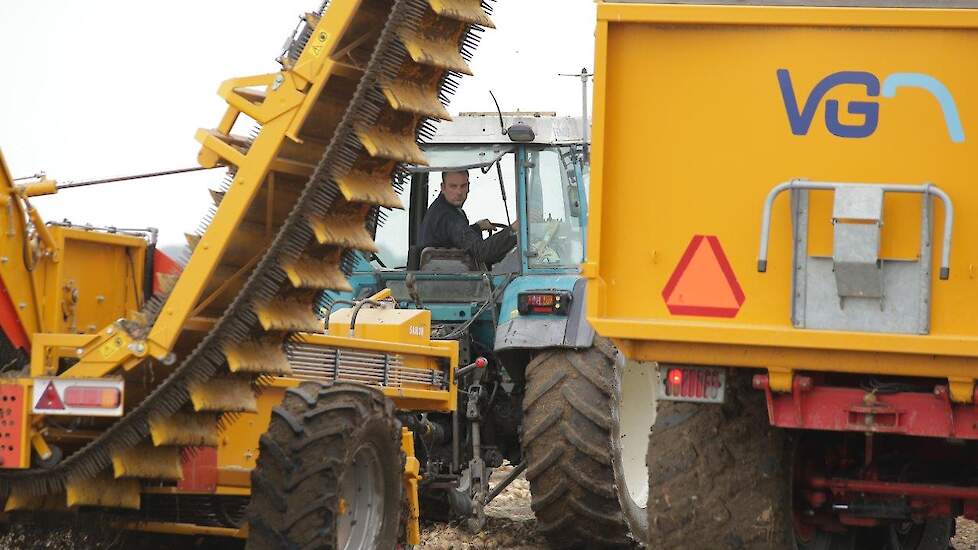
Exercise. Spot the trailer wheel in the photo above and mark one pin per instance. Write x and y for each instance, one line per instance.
(329, 472)
(718, 474)
(567, 434)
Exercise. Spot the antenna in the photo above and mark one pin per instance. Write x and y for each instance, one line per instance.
(583, 75)
(502, 126)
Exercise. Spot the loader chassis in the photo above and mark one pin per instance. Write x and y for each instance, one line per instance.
(200, 366)
(807, 239)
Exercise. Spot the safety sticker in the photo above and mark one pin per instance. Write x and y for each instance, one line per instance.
(703, 283)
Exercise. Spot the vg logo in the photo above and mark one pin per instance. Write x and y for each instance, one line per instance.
(801, 118)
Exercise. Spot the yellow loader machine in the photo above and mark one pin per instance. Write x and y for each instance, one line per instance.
(784, 244)
(160, 404)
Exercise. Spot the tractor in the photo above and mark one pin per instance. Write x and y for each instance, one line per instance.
(547, 400)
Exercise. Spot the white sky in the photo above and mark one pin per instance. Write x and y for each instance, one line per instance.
(97, 89)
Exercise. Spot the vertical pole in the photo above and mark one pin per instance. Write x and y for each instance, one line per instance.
(583, 75)
(584, 124)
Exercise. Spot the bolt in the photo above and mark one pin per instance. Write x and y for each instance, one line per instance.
(79, 352)
(100, 298)
(110, 331)
(4, 259)
(137, 347)
(22, 305)
(278, 82)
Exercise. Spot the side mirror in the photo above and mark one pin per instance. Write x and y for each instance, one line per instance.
(574, 200)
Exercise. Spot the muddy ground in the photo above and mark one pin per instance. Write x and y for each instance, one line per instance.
(511, 526)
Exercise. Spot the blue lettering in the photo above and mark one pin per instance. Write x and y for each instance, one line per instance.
(801, 120)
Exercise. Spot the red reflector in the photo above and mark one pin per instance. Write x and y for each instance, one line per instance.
(92, 397)
(676, 377)
(50, 399)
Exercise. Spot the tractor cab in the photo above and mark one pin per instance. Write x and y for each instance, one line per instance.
(523, 167)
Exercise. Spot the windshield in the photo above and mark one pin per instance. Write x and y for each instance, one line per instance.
(553, 208)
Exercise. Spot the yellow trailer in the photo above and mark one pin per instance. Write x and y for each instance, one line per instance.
(782, 198)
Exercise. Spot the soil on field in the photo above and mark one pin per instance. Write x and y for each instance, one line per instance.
(966, 537)
(511, 526)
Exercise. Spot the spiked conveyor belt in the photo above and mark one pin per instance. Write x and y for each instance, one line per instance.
(405, 58)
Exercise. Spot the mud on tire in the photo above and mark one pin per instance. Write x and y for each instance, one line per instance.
(567, 428)
(311, 459)
(717, 474)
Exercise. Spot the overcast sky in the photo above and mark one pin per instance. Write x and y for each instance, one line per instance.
(96, 89)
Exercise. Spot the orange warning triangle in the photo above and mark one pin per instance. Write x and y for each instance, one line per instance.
(703, 283)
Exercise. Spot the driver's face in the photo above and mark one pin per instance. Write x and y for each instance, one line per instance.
(455, 187)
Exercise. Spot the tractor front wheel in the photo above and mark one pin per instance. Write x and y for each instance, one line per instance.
(569, 428)
(329, 472)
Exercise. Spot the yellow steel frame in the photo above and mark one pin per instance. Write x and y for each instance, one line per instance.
(643, 329)
(289, 99)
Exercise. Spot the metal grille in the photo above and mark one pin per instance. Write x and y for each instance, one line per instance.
(327, 364)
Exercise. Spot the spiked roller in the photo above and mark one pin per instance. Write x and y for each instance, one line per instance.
(148, 462)
(21, 501)
(400, 147)
(264, 357)
(287, 315)
(468, 11)
(369, 188)
(415, 98)
(104, 491)
(185, 429)
(438, 52)
(319, 274)
(223, 394)
(345, 230)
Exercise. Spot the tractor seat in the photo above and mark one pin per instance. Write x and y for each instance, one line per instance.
(448, 260)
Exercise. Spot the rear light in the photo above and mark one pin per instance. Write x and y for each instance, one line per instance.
(88, 396)
(546, 302)
(78, 396)
(696, 384)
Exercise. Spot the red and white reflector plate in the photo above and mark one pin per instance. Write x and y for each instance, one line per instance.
(694, 384)
(78, 396)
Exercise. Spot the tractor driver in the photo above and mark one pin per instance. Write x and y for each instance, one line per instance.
(445, 224)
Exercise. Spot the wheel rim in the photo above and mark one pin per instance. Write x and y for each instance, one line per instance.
(361, 512)
(636, 414)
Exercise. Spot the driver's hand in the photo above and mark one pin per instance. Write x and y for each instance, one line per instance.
(515, 226)
(484, 225)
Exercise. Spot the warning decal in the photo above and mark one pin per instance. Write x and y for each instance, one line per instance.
(703, 283)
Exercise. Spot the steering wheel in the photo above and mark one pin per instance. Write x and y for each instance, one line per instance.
(496, 227)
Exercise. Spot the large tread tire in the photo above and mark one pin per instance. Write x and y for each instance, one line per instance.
(305, 457)
(718, 474)
(567, 427)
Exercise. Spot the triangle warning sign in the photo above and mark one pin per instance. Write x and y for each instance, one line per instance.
(703, 283)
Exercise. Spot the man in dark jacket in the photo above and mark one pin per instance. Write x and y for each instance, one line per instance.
(445, 224)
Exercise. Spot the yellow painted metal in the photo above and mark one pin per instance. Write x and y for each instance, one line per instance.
(147, 461)
(412, 475)
(186, 529)
(681, 152)
(407, 326)
(223, 394)
(190, 430)
(21, 501)
(69, 280)
(103, 490)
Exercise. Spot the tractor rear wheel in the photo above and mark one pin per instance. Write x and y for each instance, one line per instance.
(718, 474)
(329, 472)
(568, 426)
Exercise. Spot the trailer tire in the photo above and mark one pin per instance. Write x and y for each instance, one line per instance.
(331, 455)
(567, 434)
(718, 474)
